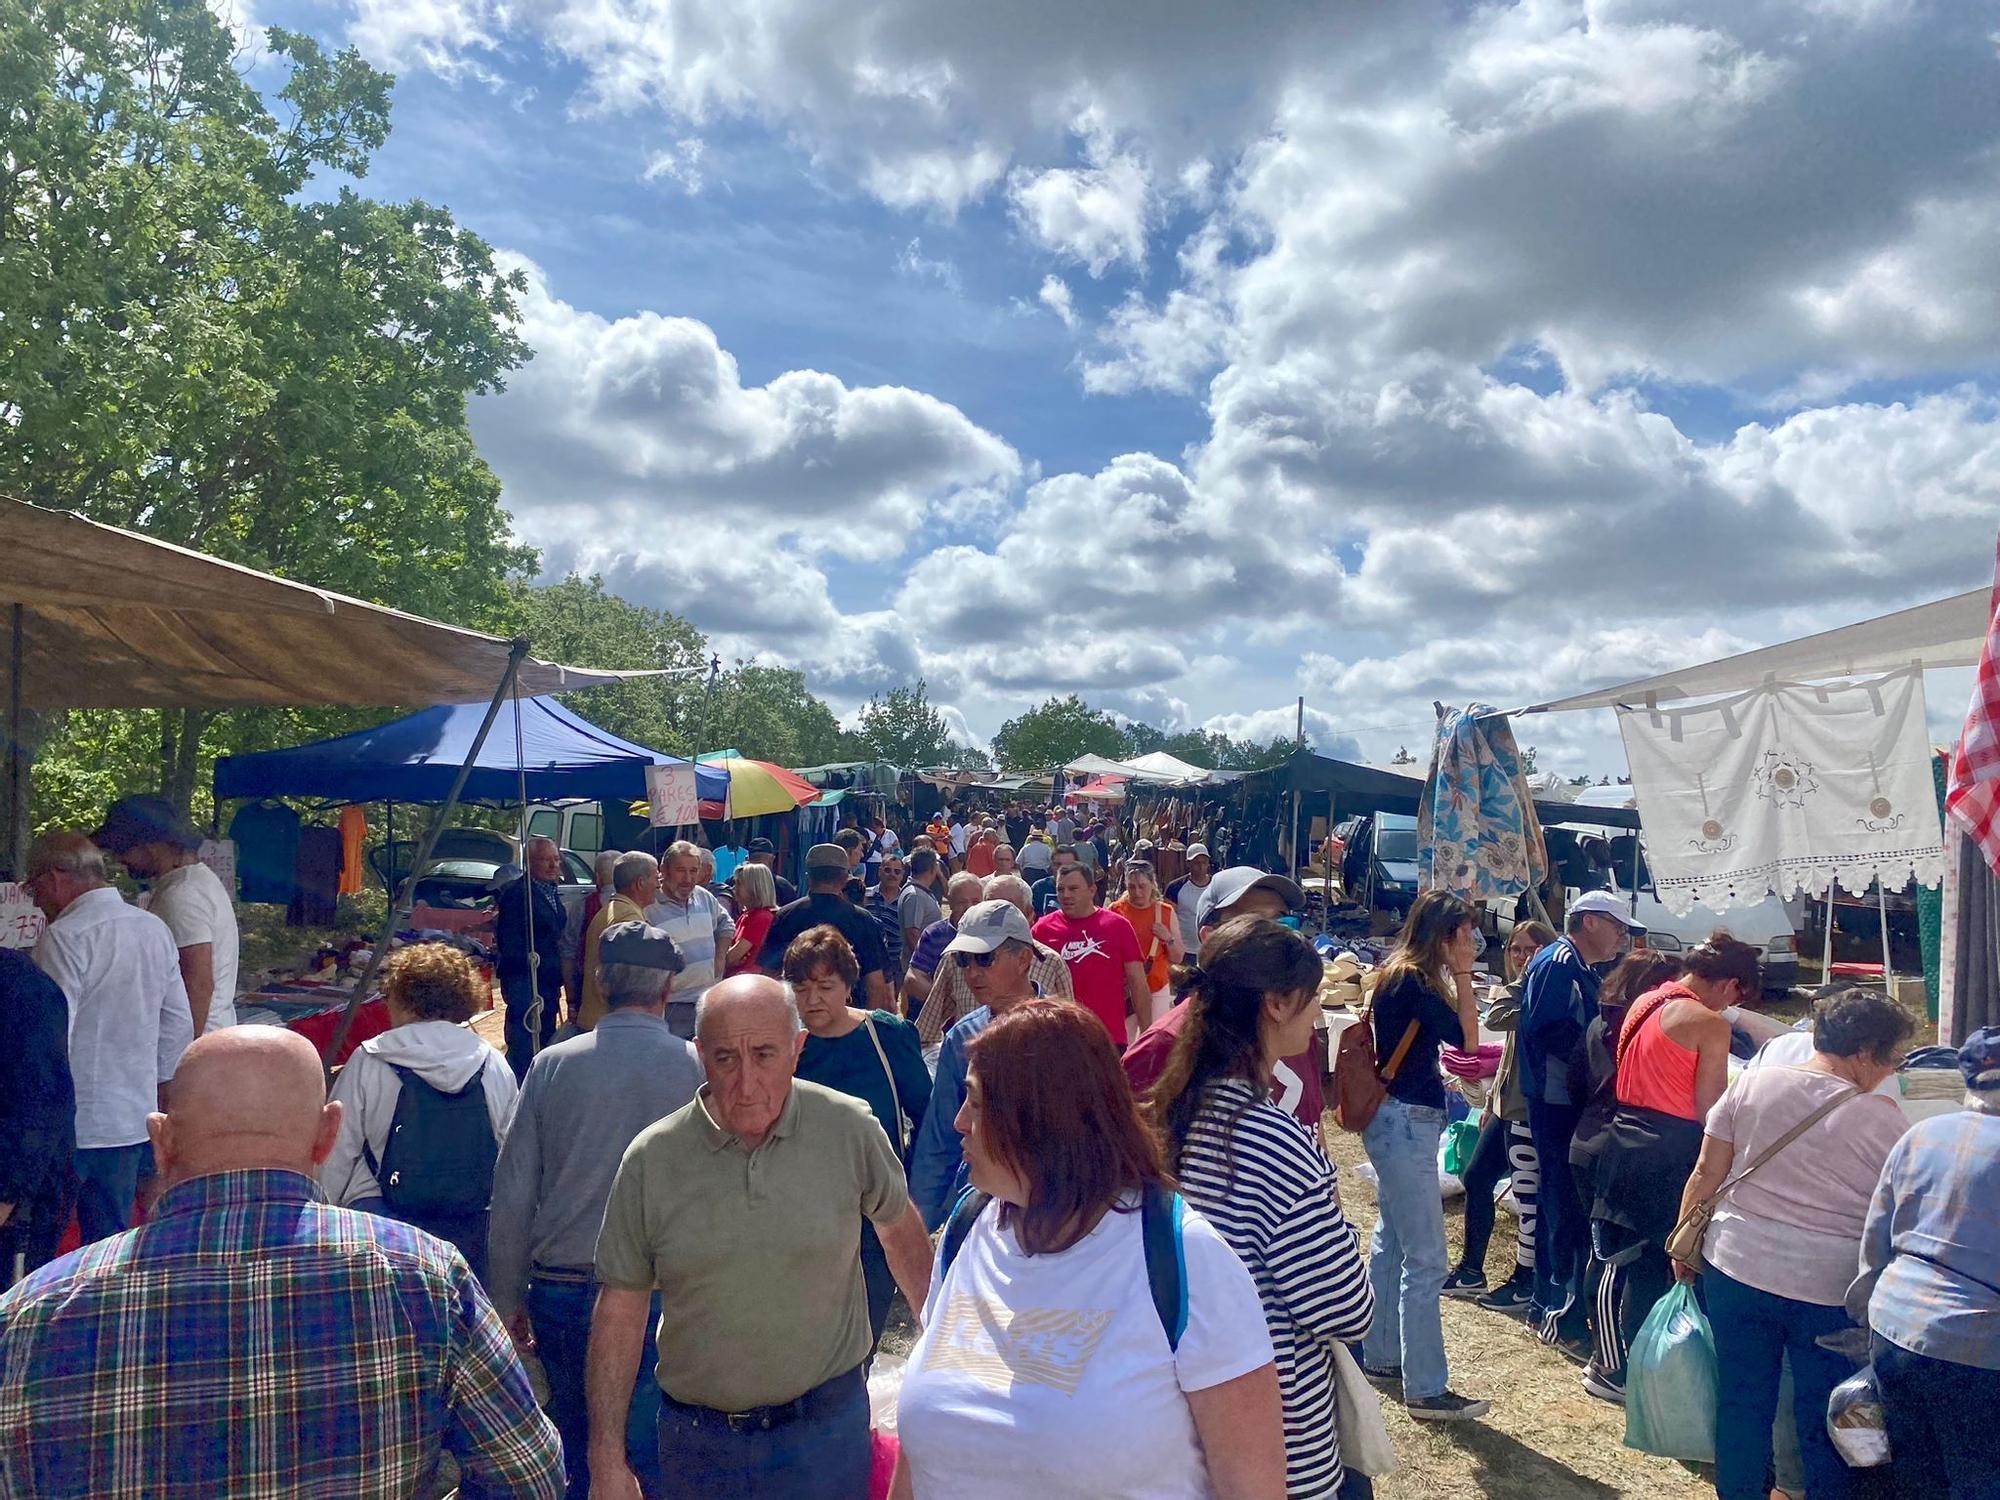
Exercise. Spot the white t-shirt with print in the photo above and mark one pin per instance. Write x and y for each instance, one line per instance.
(1050, 1376)
(196, 908)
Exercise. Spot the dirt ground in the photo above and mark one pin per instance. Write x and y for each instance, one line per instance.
(1544, 1439)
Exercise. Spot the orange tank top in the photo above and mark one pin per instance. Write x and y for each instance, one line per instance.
(1654, 1071)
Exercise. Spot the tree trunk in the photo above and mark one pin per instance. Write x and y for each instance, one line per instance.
(181, 731)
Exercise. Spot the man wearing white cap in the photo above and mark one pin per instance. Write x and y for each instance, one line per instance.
(1242, 891)
(1558, 1001)
(994, 950)
(1186, 892)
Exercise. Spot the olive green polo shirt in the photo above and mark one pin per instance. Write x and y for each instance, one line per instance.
(756, 1254)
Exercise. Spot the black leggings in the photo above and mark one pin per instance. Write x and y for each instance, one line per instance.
(1503, 1146)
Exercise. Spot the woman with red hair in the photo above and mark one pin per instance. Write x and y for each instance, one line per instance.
(1061, 1356)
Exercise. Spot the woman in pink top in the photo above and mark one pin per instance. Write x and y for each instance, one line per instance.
(1785, 1243)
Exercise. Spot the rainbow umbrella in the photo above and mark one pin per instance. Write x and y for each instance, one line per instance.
(757, 787)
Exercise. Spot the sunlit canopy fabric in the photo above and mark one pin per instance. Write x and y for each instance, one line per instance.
(755, 787)
(414, 759)
(1943, 633)
(1375, 789)
(114, 619)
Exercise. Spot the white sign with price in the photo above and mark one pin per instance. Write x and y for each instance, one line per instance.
(670, 791)
(21, 921)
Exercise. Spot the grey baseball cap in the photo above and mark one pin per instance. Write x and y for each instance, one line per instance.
(640, 944)
(987, 926)
(1227, 887)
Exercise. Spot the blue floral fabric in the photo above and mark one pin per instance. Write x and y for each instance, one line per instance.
(1477, 833)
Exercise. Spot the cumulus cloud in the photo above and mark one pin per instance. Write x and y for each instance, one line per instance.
(1266, 724)
(1055, 296)
(1096, 213)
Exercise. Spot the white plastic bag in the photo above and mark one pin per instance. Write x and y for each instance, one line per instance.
(1856, 1422)
(885, 1388)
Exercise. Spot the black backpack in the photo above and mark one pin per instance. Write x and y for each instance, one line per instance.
(1159, 1232)
(436, 1169)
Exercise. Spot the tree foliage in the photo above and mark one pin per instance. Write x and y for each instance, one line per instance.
(1056, 732)
(195, 344)
(902, 728)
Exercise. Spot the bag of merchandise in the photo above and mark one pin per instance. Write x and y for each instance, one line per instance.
(1856, 1422)
(1670, 1381)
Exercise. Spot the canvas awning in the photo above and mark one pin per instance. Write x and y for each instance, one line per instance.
(114, 619)
(1943, 633)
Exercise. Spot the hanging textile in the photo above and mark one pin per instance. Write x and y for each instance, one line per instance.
(1477, 833)
(1930, 901)
(1974, 794)
(353, 839)
(1969, 995)
(1785, 788)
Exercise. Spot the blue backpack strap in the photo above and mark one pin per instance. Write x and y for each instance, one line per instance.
(1160, 1214)
(958, 1224)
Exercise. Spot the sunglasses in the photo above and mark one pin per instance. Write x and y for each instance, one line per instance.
(976, 960)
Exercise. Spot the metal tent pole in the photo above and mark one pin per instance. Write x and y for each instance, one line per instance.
(533, 1020)
(17, 749)
(1888, 969)
(399, 909)
(1826, 945)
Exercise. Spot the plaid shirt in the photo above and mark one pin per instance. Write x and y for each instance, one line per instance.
(1930, 1255)
(952, 999)
(251, 1341)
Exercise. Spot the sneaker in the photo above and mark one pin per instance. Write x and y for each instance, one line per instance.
(1577, 1348)
(1450, 1407)
(1386, 1375)
(1601, 1385)
(1465, 1282)
(1510, 1297)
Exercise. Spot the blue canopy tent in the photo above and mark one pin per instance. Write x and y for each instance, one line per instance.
(417, 758)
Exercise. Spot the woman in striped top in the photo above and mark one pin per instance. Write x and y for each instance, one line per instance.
(1258, 1175)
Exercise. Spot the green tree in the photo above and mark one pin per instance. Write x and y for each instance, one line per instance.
(1058, 731)
(903, 729)
(1402, 757)
(1253, 755)
(769, 713)
(196, 344)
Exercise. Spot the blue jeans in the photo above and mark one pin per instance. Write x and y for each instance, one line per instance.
(824, 1455)
(1754, 1330)
(1562, 1232)
(560, 1312)
(1407, 1258)
(107, 1185)
(1935, 1409)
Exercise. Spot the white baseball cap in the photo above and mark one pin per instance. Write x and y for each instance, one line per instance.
(1198, 851)
(1604, 904)
(1231, 885)
(987, 925)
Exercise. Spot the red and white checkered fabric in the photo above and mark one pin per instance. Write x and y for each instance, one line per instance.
(1973, 793)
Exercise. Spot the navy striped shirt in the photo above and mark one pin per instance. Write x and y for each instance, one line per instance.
(1261, 1179)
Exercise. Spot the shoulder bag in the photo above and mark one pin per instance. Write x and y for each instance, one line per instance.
(901, 1134)
(1359, 1084)
(1684, 1244)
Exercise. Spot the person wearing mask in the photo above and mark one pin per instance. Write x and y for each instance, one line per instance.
(1783, 1246)
(870, 1054)
(689, 913)
(952, 998)
(528, 931)
(1102, 952)
(825, 904)
(128, 1023)
(252, 1340)
(158, 846)
(1186, 892)
(1156, 923)
(1929, 1290)
(1504, 1149)
(1261, 1178)
(764, 852)
(1423, 1001)
(585, 1100)
(1100, 1406)
(763, 1334)
(1558, 1001)
(1672, 1063)
(756, 897)
(926, 957)
(994, 954)
(467, 1095)
(635, 880)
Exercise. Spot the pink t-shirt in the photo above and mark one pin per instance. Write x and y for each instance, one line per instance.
(1793, 1228)
(1096, 950)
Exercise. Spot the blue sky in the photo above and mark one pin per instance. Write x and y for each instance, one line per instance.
(1196, 358)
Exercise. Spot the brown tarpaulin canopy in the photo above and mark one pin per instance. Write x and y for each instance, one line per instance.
(114, 619)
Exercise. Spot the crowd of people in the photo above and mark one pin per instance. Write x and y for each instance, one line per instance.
(1068, 1110)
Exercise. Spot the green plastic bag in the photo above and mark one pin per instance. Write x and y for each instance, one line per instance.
(1460, 1136)
(1670, 1381)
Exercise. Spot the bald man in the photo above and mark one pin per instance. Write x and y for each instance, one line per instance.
(249, 1339)
(717, 1207)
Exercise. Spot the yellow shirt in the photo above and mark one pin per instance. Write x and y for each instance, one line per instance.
(617, 909)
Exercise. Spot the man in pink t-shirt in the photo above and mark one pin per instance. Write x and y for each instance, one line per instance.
(1102, 951)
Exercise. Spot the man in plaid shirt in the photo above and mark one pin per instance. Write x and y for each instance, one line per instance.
(252, 1341)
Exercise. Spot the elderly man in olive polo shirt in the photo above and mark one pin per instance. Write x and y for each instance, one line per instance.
(743, 1209)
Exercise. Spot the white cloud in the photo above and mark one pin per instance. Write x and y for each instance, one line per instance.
(679, 164)
(1266, 724)
(1096, 214)
(1055, 296)
(912, 262)
(440, 36)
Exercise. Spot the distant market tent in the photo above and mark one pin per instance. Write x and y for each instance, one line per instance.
(416, 758)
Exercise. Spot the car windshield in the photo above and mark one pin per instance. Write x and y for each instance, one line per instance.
(1396, 846)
